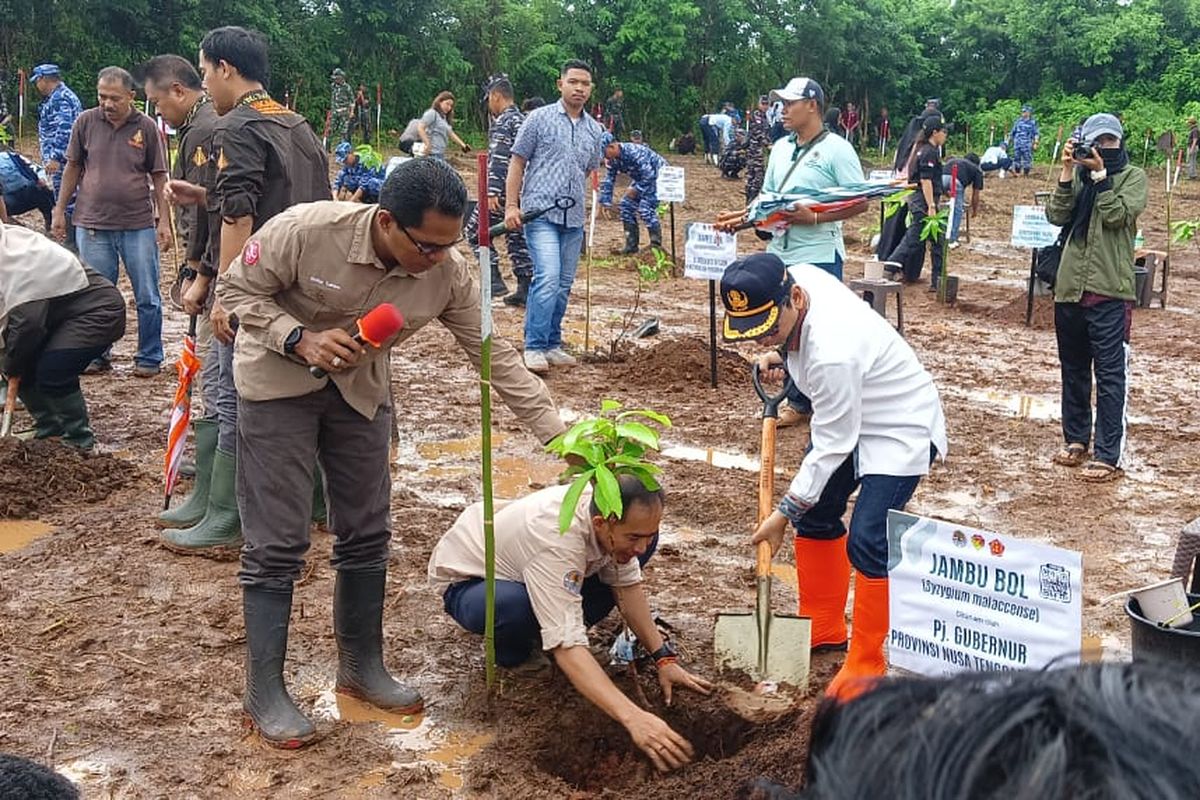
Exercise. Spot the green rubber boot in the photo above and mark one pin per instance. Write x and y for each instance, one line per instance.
(220, 531)
(46, 421)
(320, 512)
(76, 427)
(192, 509)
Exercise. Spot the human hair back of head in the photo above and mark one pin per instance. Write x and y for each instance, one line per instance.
(1101, 732)
(420, 185)
(165, 70)
(244, 50)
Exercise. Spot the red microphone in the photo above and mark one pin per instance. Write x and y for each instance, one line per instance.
(375, 327)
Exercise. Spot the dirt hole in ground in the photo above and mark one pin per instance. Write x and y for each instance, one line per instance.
(598, 755)
(39, 476)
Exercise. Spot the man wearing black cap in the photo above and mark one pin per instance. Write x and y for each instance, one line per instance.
(1097, 202)
(877, 424)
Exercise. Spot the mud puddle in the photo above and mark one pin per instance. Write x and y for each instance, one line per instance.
(17, 533)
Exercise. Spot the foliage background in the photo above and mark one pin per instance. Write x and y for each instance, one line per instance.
(675, 59)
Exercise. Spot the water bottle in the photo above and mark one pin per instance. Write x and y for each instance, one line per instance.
(1139, 241)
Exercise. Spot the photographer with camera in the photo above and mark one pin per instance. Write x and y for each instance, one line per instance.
(1097, 201)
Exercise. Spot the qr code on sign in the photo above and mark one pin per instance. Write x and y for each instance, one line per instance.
(1055, 583)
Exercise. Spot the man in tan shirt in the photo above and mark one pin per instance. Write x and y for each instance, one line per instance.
(551, 586)
(298, 287)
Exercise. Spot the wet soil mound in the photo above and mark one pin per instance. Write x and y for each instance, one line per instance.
(40, 476)
(683, 364)
(1013, 312)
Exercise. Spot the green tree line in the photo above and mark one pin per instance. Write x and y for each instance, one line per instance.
(675, 59)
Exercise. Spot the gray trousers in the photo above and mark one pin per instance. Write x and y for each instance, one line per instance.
(210, 373)
(278, 441)
(226, 397)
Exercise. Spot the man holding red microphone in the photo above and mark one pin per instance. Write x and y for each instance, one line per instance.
(302, 283)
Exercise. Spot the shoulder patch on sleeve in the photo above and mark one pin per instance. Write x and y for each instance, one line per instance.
(251, 253)
(573, 582)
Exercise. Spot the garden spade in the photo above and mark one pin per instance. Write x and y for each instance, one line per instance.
(772, 647)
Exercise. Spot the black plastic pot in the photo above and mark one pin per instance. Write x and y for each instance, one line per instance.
(1152, 643)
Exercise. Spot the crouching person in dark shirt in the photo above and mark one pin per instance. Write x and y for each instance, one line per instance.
(56, 315)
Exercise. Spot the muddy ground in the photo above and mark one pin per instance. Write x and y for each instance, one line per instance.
(120, 663)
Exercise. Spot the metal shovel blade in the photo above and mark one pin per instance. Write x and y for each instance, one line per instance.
(769, 646)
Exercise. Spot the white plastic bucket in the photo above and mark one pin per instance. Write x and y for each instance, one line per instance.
(873, 271)
(1163, 601)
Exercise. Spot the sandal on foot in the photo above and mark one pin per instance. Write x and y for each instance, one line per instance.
(1073, 455)
(1100, 472)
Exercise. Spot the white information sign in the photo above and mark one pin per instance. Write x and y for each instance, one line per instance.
(670, 185)
(964, 599)
(1031, 229)
(881, 175)
(707, 252)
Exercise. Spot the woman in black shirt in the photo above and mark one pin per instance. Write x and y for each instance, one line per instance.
(925, 167)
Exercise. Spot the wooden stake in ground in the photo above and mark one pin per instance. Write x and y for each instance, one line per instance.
(20, 107)
(587, 278)
(10, 405)
(485, 439)
(941, 294)
(379, 114)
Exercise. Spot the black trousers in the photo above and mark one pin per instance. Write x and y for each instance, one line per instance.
(911, 250)
(1094, 341)
(278, 441)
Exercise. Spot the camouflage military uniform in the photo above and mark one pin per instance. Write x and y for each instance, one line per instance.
(501, 135)
(642, 165)
(55, 118)
(341, 104)
(756, 145)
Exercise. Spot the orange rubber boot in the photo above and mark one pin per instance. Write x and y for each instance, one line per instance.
(823, 580)
(865, 662)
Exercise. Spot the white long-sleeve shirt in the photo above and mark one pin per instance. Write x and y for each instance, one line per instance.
(868, 389)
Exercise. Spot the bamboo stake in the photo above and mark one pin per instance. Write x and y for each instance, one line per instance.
(485, 443)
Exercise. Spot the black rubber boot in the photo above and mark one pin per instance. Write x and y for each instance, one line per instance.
(76, 427)
(46, 421)
(358, 626)
(631, 241)
(655, 236)
(499, 287)
(518, 297)
(268, 706)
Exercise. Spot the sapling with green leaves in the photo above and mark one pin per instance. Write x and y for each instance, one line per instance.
(603, 447)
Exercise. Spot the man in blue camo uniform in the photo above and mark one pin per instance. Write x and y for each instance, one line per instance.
(757, 142)
(641, 198)
(55, 117)
(506, 121)
(355, 181)
(1024, 138)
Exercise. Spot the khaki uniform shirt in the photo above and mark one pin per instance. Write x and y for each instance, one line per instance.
(315, 265)
(530, 550)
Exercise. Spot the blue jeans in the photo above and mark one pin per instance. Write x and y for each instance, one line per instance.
(958, 206)
(517, 628)
(555, 252)
(103, 251)
(868, 544)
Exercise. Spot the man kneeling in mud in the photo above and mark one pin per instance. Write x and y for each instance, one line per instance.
(553, 587)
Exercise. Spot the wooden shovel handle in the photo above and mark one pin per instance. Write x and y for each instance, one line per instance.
(762, 560)
(766, 472)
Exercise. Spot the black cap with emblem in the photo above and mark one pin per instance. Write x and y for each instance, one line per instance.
(752, 289)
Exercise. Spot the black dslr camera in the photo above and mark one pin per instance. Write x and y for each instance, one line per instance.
(1082, 151)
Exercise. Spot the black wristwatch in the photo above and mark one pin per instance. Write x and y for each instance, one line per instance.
(666, 651)
(293, 339)
(187, 273)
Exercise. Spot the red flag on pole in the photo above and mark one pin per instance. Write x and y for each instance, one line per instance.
(187, 367)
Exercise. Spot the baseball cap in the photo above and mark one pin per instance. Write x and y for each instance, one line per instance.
(1098, 125)
(1026, 107)
(338, 73)
(44, 70)
(752, 289)
(341, 152)
(800, 89)
(606, 139)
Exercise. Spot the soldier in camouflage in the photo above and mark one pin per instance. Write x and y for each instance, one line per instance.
(641, 199)
(506, 121)
(341, 104)
(758, 140)
(1024, 138)
(55, 118)
(355, 181)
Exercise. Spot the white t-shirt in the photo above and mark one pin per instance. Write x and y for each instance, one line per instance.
(530, 550)
(868, 389)
(993, 155)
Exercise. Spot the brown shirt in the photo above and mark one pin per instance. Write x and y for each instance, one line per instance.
(531, 551)
(117, 162)
(196, 163)
(315, 265)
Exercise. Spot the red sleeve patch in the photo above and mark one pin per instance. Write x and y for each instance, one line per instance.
(251, 252)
